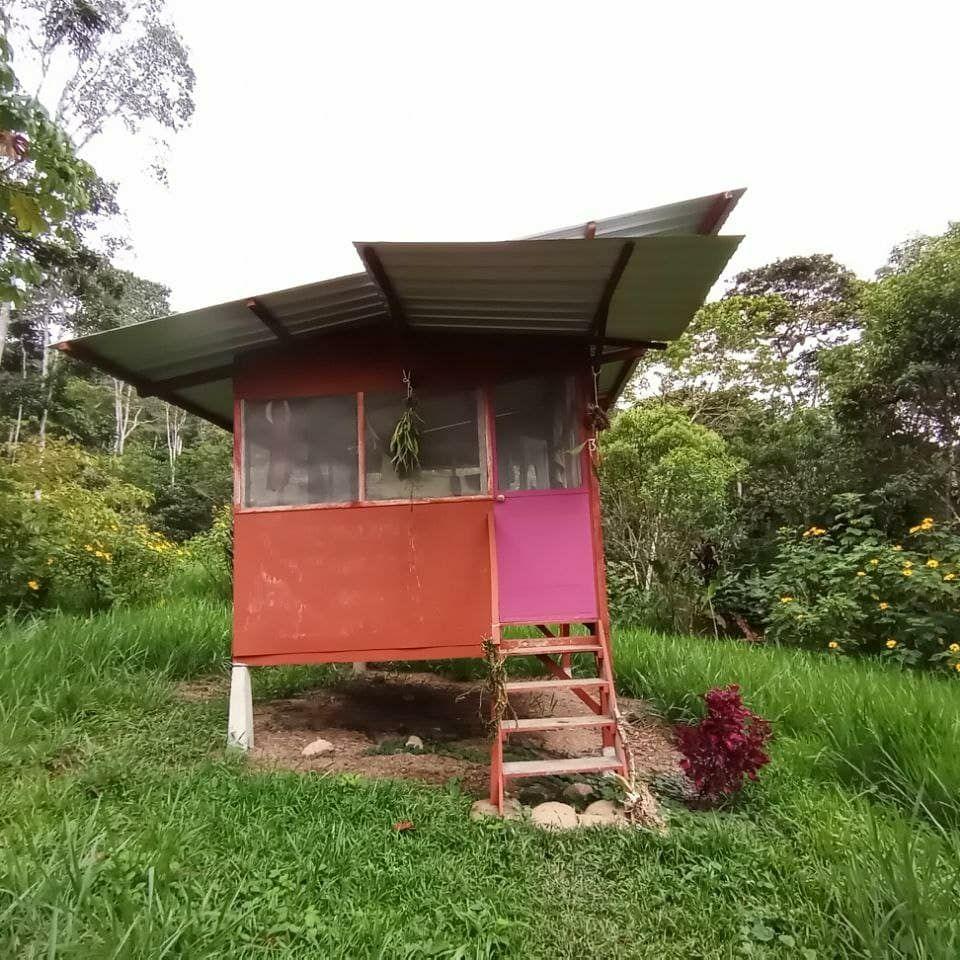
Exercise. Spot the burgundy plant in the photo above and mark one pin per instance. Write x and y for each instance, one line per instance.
(724, 747)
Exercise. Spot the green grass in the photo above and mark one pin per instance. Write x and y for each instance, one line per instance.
(126, 832)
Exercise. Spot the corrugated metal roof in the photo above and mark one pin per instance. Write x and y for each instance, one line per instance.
(699, 215)
(537, 285)
(664, 284)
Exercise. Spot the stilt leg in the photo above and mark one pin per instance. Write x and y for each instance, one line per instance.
(240, 720)
(359, 666)
(496, 772)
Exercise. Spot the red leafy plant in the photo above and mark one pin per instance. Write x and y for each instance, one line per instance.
(726, 746)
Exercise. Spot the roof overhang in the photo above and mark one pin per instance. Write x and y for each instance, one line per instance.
(621, 285)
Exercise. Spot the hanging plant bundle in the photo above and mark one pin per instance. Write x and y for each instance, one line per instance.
(405, 442)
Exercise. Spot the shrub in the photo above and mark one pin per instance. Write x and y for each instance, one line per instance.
(845, 587)
(726, 746)
(209, 558)
(73, 535)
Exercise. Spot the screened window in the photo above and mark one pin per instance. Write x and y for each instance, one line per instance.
(451, 459)
(538, 446)
(300, 451)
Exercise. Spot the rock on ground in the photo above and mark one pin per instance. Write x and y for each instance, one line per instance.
(603, 813)
(554, 816)
(316, 747)
(414, 742)
(578, 792)
(484, 808)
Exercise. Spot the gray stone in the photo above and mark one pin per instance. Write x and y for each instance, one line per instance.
(317, 747)
(414, 743)
(534, 793)
(484, 808)
(578, 793)
(554, 816)
(603, 813)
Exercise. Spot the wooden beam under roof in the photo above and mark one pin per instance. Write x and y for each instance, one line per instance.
(267, 318)
(146, 388)
(379, 276)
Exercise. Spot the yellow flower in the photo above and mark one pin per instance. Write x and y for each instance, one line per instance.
(33, 585)
(861, 573)
(786, 599)
(928, 521)
(949, 576)
(833, 644)
(954, 648)
(49, 561)
(907, 564)
(884, 605)
(897, 546)
(874, 563)
(88, 548)
(907, 572)
(891, 643)
(933, 564)
(956, 666)
(915, 529)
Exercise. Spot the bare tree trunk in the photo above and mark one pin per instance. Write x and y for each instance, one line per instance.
(175, 420)
(4, 326)
(45, 387)
(15, 433)
(126, 419)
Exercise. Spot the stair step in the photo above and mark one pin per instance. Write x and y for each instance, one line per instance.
(547, 647)
(521, 686)
(549, 768)
(555, 723)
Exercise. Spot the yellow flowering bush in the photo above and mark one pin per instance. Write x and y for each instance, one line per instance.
(73, 535)
(900, 599)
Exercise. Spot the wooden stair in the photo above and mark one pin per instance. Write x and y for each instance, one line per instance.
(555, 651)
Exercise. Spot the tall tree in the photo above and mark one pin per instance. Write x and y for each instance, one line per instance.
(97, 62)
(764, 336)
(899, 386)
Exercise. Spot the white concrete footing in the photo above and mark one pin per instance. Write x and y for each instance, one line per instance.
(240, 720)
(359, 666)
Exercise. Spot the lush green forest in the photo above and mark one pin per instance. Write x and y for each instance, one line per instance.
(787, 470)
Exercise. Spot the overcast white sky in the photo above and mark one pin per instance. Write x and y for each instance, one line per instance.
(320, 123)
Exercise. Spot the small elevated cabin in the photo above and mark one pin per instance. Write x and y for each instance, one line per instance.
(415, 447)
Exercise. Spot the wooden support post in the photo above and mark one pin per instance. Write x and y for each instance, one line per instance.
(359, 666)
(240, 720)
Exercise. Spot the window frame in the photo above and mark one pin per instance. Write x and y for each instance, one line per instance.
(483, 394)
(580, 432)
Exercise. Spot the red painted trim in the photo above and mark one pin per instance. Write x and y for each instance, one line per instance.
(494, 580)
(360, 504)
(719, 210)
(361, 449)
(486, 394)
(384, 655)
(237, 454)
(549, 492)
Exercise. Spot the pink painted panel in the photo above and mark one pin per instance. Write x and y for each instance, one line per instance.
(545, 557)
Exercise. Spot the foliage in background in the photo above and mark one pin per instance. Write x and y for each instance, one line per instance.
(821, 387)
(73, 534)
(727, 746)
(666, 487)
(42, 183)
(847, 587)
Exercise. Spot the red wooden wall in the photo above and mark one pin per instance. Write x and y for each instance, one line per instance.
(367, 582)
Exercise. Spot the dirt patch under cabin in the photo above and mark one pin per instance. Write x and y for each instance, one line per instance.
(368, 718)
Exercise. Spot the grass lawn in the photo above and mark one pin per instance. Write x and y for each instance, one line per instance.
(126, 832)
